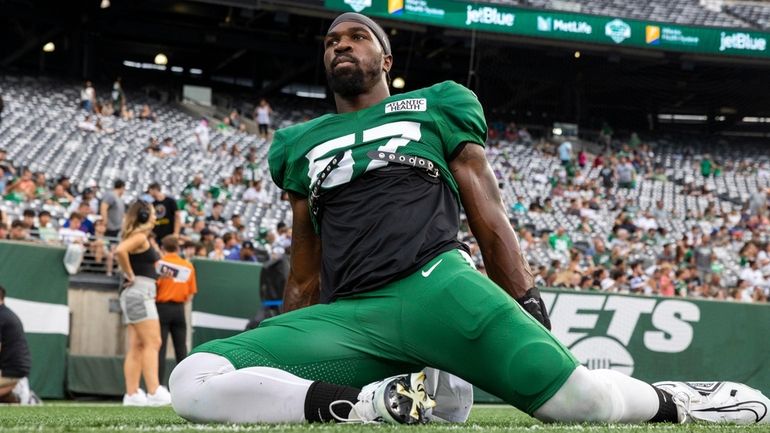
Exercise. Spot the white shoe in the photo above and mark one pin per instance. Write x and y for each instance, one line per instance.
(717, 402)
(22, 391)
(139, 398)
(161, 397)
(399, 399)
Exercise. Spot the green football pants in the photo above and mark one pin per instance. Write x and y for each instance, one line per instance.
(447, 316)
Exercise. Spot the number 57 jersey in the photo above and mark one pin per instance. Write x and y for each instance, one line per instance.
(381, 222)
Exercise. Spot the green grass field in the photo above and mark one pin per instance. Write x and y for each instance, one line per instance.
(68, 417)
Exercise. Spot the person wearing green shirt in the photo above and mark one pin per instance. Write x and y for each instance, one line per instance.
(705, 166)
(560, 241)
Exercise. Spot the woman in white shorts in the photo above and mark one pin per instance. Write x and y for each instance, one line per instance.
(136, 257)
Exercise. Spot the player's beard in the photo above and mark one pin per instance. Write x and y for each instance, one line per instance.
(350, 82)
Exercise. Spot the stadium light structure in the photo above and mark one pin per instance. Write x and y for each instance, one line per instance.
(398, 83)
(105, 4)
(161, 59)
(577, 54)
(49, 47)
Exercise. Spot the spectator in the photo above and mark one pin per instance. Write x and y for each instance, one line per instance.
(232, 246)
(582, 158)
(154, 147)
(626, 174)
(86, 225)
(6, 166)
(66, 183)
(88, 198)
(235, 119)
(262, 115)
(4, 234)
(15, 358)
(46, 229)
(704, 256)
(147, 114)
(608, 175)
(196, 187)
(706, 165)
(3, 182)
(100, 247)
(560, 241)
(565, 152)
(28, 217)
(218, 253)
(168, 148)
(41, 186)
(73, 230)
(118, 97)
(202, 134)
(173, 293)
(207, 239)
(247, 252)
(112, 208)
(23, 189)
(19, 231)
(168, 219)
(638, 278)
(136, 257)
(255, 193)
(216, 221)
(660, 213)
(88, 98)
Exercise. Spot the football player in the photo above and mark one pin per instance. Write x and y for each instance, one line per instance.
(380, 286)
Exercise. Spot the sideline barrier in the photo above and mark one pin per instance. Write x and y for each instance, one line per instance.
(228, 297)
(649, 338)
(36, 282)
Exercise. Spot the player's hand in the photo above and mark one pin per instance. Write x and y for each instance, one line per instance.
(129, 280)
(534, 305)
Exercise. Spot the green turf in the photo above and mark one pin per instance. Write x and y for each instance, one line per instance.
(108, 418)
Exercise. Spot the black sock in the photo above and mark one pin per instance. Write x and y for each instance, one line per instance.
(321, 394)
(667, 411)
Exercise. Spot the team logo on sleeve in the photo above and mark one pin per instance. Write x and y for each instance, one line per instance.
(414, 104)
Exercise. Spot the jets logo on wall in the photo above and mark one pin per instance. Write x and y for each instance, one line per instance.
(617, 30)
(599, 329)
(359, 5)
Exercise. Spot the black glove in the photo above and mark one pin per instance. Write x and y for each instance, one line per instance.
(535, 306)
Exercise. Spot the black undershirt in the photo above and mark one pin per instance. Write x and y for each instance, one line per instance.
(382, 227)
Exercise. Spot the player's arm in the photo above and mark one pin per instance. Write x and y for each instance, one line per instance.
(303, 286)
(503, 259)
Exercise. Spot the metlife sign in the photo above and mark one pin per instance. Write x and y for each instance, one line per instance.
(549, 24)
(614, 31)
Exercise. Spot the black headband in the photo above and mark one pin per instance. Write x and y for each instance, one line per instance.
(378, 32)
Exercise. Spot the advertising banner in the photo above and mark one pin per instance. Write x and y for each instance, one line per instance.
(593, 29)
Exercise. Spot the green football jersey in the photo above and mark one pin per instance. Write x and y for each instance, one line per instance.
(430, 123)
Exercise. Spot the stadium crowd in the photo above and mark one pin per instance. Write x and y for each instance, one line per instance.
(639, 253)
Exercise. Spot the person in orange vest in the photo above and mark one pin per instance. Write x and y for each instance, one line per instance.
(171, 297)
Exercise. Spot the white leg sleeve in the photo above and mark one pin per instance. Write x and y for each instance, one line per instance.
(207, 388)
(600, 396)
(454, 396)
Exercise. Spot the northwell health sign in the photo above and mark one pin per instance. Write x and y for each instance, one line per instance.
(565, 26)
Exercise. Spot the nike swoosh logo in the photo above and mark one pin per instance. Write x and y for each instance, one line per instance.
(427, 273)
(756, 407)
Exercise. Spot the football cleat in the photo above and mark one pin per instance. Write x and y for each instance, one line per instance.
(399, 399)
(717, 402)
